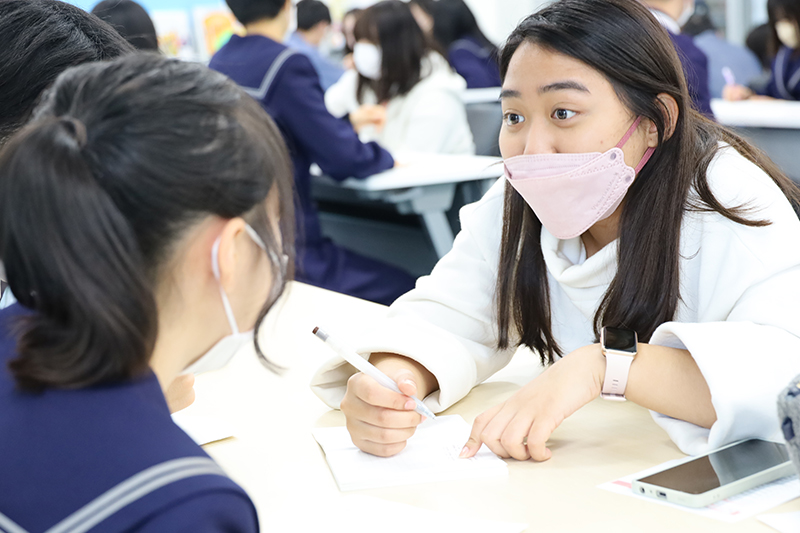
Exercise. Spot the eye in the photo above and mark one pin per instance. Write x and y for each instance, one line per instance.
(563, 114)
(513, 119)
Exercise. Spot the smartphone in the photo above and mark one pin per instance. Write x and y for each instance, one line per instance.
(703, 480)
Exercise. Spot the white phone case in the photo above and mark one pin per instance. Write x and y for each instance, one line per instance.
(712, 496)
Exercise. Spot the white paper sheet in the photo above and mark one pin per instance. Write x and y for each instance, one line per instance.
(366, 514)
(733, 509)
(431, 455)
(203, 429)
(783, 522)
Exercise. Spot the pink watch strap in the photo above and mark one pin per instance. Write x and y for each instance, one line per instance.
(618, 366)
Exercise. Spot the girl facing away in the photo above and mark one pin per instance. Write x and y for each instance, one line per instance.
(145, 215)
(621, 208)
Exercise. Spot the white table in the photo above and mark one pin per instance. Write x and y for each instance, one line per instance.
(425, 185)
(276, 460)
(772, 125)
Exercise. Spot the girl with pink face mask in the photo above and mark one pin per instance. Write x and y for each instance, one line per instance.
(642, 251)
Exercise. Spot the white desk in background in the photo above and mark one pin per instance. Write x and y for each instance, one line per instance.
(275, 458)
(425, 185)
(772, 125)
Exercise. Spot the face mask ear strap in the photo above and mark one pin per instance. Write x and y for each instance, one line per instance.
(629, 133)
(647, 154)
(225, 302)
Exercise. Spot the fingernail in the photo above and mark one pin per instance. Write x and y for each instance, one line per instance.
(464, 452)
(409, 382)
(410, 404)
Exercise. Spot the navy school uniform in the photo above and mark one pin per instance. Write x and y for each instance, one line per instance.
(105, 458)
(288, 88)
(475, 63)
(695, 68)
(784, 78)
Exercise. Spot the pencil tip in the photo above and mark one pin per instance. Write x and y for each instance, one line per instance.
(315, 331)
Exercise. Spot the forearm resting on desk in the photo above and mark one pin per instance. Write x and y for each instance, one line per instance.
(668, 381)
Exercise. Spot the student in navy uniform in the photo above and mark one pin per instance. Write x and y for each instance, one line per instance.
(140, 224)
(784, 80)
(287, 86)
(469, 51)
(673, 14)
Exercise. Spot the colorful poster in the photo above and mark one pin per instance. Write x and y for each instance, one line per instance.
(214, 26)
(174, 29)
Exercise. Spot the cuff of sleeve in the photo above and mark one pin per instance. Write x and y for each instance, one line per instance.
(446, 358)
(746, 365)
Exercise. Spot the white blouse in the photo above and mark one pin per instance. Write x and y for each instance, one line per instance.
(739, 313)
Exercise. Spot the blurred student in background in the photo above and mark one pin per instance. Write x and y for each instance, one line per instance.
(469, 51)
(742, 63)
(759, 41)
(131, 21)
(396, 67)
(348, 26)
(285, 84)
(672, 14)
(142, 222)
(313, 24)
(784, 82)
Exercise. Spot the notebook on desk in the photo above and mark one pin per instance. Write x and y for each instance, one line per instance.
(431, 455)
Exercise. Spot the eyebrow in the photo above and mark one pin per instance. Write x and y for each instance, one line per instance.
(563, 86)
(568, 85)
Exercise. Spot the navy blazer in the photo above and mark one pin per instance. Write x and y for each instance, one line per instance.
(475, 63)
(784, 78)
(695, 68)
(62, 449)
(294, 99)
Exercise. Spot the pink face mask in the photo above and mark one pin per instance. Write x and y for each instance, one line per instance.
(571, 192)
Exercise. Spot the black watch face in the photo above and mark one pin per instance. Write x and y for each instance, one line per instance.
(623, 340)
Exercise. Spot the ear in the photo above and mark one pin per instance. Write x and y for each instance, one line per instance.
(669, 108)
(228, 255)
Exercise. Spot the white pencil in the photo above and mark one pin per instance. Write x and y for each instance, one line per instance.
(366, 367)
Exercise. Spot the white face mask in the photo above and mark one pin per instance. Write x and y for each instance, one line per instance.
(222, 352)
(368, 60)
(688, 11)
(787, 33)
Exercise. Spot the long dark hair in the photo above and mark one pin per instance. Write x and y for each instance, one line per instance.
(39, 39)
(391, 26)
(453, 20)
(120, 160)
(646, 289)
(131, 21)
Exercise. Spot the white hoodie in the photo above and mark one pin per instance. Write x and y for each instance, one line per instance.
(429, 118)
(739, 313)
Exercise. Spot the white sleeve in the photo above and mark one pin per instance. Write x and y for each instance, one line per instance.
(437, 123)
(340, 98)
(447, 323)
(746, 338)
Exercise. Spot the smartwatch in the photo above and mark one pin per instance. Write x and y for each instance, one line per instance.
(619, 349)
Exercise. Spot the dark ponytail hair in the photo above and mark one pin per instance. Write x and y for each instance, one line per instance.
(645, 292)
(40, 39)
(120, 160)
